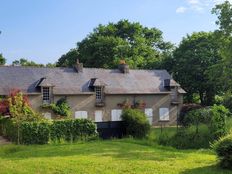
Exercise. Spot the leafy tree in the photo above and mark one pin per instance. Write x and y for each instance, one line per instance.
(20, 110)
(140, 46)
(2, 60)
(191, 62)
(25, 62)
(224, 68)
(68, 59)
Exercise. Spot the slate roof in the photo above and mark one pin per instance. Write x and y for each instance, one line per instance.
(68, 81)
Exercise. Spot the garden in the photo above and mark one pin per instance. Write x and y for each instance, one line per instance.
(202, 143)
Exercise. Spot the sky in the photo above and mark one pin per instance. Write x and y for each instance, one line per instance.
(42, 30)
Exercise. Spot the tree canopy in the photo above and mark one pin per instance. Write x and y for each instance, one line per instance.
(224, 68)
(2, 60)
(26, 62)
(191, 62)
(140, 46)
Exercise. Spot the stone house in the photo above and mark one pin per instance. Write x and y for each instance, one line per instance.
(97, 94)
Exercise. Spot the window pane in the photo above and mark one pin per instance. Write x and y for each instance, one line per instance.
(116, 115)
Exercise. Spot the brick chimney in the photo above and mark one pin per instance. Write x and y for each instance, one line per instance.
(78, 66)
(123, 67)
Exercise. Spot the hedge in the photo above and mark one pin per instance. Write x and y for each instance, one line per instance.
(56, 131)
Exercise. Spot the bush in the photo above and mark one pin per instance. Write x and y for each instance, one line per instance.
(223, 148)
(34, 132)
(41, 132)
(186, 108)
(61, 108)
(72, 130)
(135, 123)
(227, 101)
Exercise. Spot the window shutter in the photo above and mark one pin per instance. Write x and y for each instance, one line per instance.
(164, 114)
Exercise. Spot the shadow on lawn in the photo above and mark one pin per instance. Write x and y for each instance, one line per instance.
(207, 170)
(114, 149)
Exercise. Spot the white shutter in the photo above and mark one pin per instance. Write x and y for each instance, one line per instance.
(98, 116)
(81, 114)
(164, 114)
(116, 115)
(149, 114)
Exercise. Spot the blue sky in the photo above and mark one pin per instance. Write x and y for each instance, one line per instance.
(43, 30)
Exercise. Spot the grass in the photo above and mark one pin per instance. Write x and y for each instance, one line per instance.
(111, 156)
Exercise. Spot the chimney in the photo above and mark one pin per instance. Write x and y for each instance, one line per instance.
(78, 66)
(123, 67)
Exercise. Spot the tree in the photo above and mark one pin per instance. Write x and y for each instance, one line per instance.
(191, 62)
(20, 110)
(2, 60)
(224, 15)
(68, 59)
(140, 46)
(25, 62)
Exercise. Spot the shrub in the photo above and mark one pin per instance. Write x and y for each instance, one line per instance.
(72, 130)
(223, 148)
(135, 123)
(227, 101)
(186, 108)
(217, 124)
(61, 108)
(34, 132)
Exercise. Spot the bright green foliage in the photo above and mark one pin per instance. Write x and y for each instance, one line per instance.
(190, 63)
(140, 46)
(2, 60)
(135, 123)
(223, 148)
(61, 108)
(73, 130)
(227, 101)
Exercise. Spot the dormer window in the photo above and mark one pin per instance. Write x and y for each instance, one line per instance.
(98, 90)
(46, 95)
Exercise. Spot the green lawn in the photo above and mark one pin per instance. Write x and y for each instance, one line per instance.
(111, 156)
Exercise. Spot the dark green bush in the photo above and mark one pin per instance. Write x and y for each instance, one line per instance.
(72, 130)
(135, 123)
(34, 132)
(223, 148)
(40, 132)
(227, 101)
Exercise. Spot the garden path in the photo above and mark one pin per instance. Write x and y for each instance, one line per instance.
(3, 141)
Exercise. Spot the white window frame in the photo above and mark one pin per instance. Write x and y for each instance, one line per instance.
(149, 113)
(98, 114)
(81, 115)
(164, 114)
(46, 95)
(98, 91)
(116, 114)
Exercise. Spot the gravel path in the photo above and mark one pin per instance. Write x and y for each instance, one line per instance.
(3, 141)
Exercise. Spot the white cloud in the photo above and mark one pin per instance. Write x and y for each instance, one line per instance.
(193, 1)
(181, 10)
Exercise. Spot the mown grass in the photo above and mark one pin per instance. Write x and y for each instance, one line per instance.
(111, 156)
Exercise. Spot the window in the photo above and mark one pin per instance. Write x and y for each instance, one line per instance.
(163, 114)
(46, 95)
(47, 115)
(116, 115)
(98, 116)
(81, 114)
(98, 91)
(149, 114)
